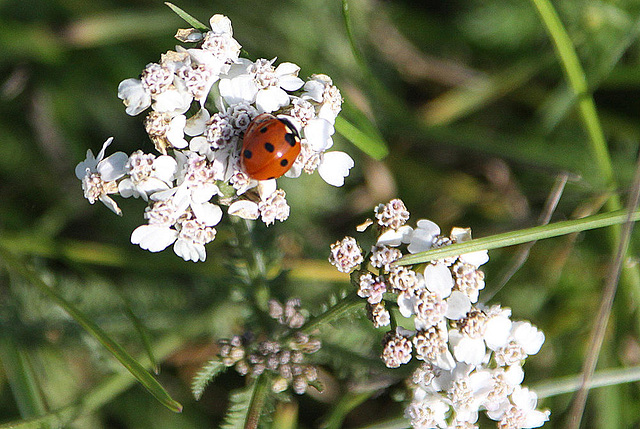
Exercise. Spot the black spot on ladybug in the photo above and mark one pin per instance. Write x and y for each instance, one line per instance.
(284, 162)
(269, 147)
(263, 129)
(291, 139)
(247, 153)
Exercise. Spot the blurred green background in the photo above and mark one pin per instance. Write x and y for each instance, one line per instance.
(479, 121)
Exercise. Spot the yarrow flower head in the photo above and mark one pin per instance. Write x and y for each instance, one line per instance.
(285, 360)
(201, 159)
(472, 355)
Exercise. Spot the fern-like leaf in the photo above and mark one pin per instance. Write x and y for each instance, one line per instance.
(205, 375)
(239, 405)
(246, 406)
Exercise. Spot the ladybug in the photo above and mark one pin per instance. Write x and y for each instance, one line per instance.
(269, 148)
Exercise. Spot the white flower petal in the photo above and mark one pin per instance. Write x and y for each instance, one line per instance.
(287, 68)
(165, 168)
(334, 167)
(318, 133)
(173, 101)
(497, 331)
(514, 375)
(294, 171)
(266, 188)
(153, 238)
(290, 83)
(207, 213)
(112, 167)
(394, 238)
(313, 90)
(151, 186)
(175, 133)
(406, 303)
(134, 96)
(190, 251)
(438, 279)
(475, 258)
(103, 150)
(126, 188)
(199, 144)
(527, 336)
(458, 305)
(423, 236)
(535, 419)
(89, 163)
(244, 209)
(241, 89)
(204, 193)
(220, 24)
(271, 99)
(468, 350)
(110, 203)
(197, 123)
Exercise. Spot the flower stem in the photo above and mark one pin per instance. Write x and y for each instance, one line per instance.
(347, 304)
(254, 263)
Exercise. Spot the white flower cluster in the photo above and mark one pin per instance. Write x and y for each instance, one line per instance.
(472, 355)
(202, 100)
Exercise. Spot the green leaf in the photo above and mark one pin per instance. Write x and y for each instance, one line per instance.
(187, 17)
(344, 406)
(135, 368)
(205, 376)
(143, 334)
(522, 236)
(370, 143)
(24, 384)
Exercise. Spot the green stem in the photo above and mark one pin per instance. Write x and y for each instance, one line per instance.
(254, 264)
(570, 384)
(346, 305)
(522, 236)
(258, 401)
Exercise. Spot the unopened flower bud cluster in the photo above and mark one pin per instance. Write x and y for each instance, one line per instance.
(471, 355)
(284, 360)
(200, 100)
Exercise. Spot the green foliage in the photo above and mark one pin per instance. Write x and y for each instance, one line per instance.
(206, 376)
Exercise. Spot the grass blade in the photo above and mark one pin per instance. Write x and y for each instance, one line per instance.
(24, 384)
(372, 145)
(522, 236)
(188, 18)
(134, 367)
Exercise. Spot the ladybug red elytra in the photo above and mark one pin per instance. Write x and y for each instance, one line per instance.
(270, 147)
